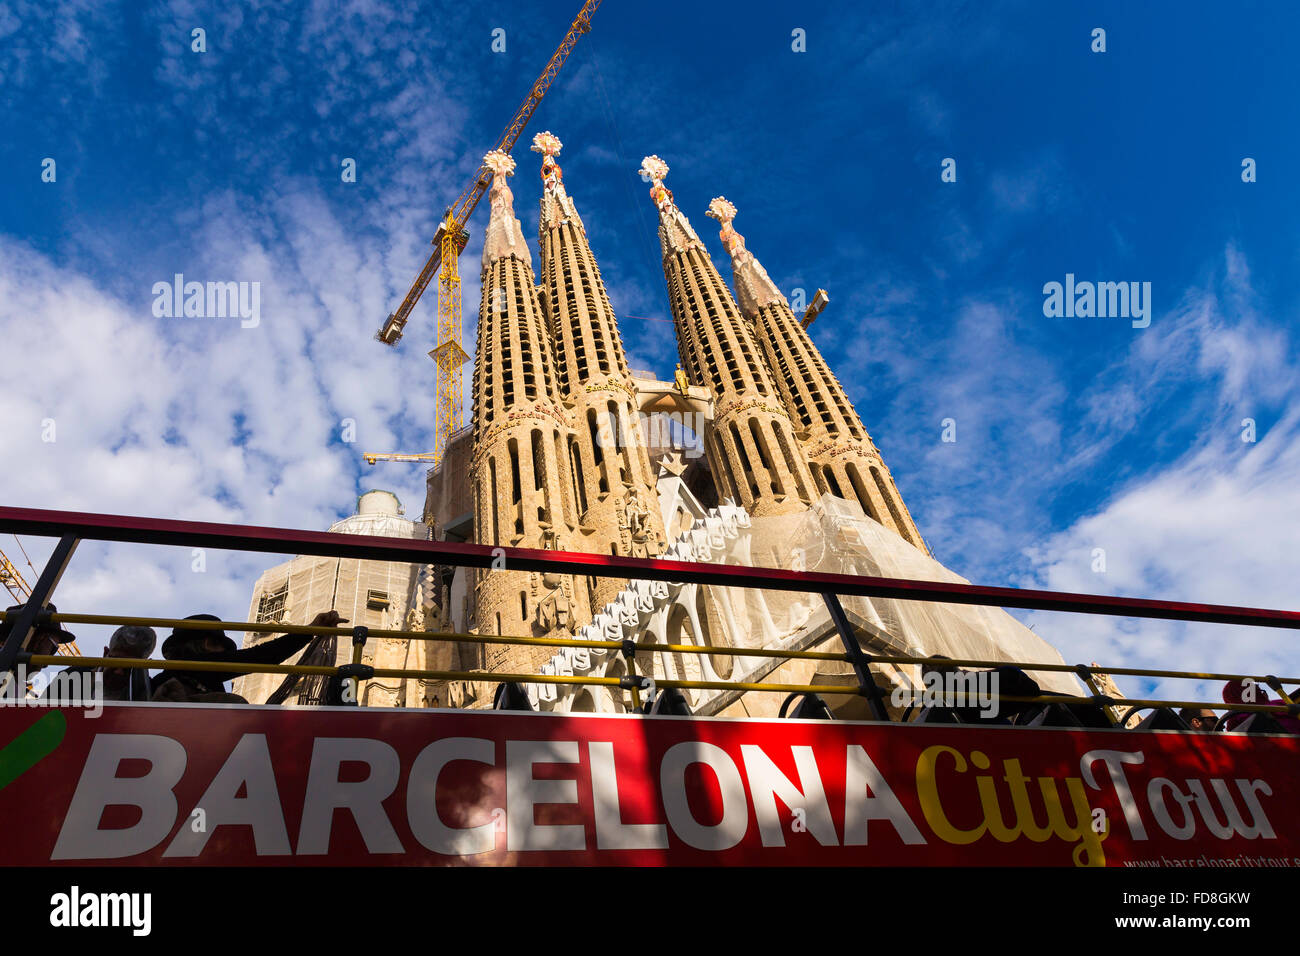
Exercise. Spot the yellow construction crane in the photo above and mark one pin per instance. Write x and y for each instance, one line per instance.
(18, 589)
(448, 244)
(12, 579)
(372, 457)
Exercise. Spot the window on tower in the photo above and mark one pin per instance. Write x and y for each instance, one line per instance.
(271, 605)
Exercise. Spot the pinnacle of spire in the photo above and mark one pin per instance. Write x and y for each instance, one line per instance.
(557, 207)
(504, 236)
(675, 232)
(548, 144)
(754, 289)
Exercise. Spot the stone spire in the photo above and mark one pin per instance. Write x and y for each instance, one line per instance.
(521, 473)
(752, 449)
(504, 236)
(557, 207)
(618, 503)
(844, 460)
(675, 232)
(754, 289)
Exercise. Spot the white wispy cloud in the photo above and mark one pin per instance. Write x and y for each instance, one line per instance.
(1216, 524)
(199, 418)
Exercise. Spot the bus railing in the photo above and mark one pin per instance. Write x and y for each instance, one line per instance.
(71, 527)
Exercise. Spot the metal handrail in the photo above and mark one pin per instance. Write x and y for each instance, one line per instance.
(163, 531)
(423, 674)
(699, 649)
(71, 527)
(129, 663)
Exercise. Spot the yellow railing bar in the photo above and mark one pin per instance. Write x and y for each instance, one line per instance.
(1140, 703)
(709, 650)
(443, 636)
(500, 678)
(497, 678)
(276, 627)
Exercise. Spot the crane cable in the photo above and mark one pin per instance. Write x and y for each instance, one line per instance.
(26, 557)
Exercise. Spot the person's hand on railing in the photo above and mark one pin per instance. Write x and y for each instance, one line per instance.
(328, 619)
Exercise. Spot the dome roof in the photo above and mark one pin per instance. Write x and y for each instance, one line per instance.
(379, 503)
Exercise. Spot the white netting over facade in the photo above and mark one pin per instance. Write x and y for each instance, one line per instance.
(836, 537)
(833, 536)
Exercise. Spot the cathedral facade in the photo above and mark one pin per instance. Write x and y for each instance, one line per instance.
(571, 449)
(779, 471)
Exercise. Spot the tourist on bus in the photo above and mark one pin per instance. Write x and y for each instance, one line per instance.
(120, 683)
(196, 644)
(129, 683)
(1250, 691)
(1200, 719)
(44, 642)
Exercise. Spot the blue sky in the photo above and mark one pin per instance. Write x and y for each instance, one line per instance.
(1072, 433)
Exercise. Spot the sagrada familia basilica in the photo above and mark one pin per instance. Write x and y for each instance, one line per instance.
(568, 451)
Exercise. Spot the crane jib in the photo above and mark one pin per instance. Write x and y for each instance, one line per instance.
(465, 204)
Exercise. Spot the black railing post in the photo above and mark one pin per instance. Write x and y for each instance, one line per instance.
(859, 658)
(360, 633)
(20, 629)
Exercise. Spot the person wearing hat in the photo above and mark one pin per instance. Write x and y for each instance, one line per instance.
(45, 640)
(120, 683)
(129, 683)
(203, 644)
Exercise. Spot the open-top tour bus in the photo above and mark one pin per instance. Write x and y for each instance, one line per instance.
(1069, 783)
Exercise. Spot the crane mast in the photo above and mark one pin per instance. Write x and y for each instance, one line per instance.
(449, 242)
(19, 590)
(12, 580)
